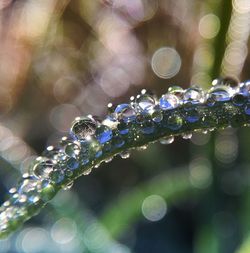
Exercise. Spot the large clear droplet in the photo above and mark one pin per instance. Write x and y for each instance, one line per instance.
(229, 81)
(125, 112)
(194, 95)
(220, 93)
(47, 190)
(83, 127)
(239, 99)
(103, 134)
(176, 90)
(156, 115)
(145, 102)
(72, 149)
(168, 101)
(43, 167)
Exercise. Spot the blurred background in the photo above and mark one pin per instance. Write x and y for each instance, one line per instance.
(60, 59)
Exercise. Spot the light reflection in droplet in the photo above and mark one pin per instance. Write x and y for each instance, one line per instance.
(209, 26)
(154, 208)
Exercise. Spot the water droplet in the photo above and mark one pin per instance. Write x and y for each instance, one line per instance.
(95, 149)
(168, 101)
(87, 172)
(194, 95)
(176, 90)
(83, 127)
(247, 109)
(111, 108)
(147, 127)
(125, 154)
(174, 122)
(12, 190)
(57, 176)
(118, 141)
(72, 149)
(123, 128)
(125, 112)
(220, 93)
(145, 102)
(156, 115)
(187, 136)
(192, 116)
(51, 152)
(68, 186)
(230, 81)
(110, 121)
(103, 134)
(27, 185)
(245, 88)
(72, 163)
(43, 167)
(144, 147)
(47, 190)
(239, 99)
(107, 160)
(167, 140)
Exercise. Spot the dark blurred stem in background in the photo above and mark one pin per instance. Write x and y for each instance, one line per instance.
(207, 237)
(216, 194)
(224, 13)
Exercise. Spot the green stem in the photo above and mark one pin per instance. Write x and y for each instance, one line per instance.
(35, 190)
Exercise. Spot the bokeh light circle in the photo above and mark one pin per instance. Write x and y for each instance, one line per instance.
(154, 208)
(166, 62)
(209, 26)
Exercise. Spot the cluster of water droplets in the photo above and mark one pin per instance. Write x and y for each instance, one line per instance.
(92, 141)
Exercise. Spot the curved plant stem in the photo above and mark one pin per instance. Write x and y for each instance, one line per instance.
(127, 127)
